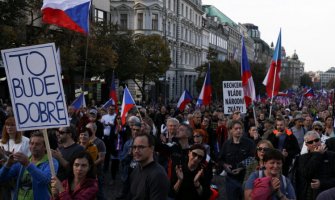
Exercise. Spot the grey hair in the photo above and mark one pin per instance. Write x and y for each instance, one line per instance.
(311, 133)
(172, 120)
(134, 119)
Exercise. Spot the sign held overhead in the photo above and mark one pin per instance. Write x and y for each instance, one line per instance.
(35, 86)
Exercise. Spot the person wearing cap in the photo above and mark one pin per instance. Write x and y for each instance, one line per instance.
(298, 129)
(67, 150)
(315, 169)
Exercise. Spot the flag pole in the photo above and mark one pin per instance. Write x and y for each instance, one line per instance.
(86, 50)
(273, 90)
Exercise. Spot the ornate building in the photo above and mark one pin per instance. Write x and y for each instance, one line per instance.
(292, 68)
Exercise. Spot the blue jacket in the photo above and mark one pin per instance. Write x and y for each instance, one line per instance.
(40, 175)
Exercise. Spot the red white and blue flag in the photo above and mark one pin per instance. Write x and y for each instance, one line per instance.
(205, 96)
(70, 14)
(247, 81)
(127, 104)
(184, 99)
(309, 93)
(109, 103)
(79, 101)
(272, 78)
(112, 93)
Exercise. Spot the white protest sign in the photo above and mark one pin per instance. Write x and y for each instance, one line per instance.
(35, 86)
(233, 97)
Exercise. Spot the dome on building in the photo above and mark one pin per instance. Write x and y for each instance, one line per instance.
(295, 56)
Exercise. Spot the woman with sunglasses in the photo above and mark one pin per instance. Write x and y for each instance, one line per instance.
(189, 181)
(258, 164)
(315, 169)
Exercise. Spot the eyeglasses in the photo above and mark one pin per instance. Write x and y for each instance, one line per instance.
(139, 147)
(317, 129)
(197, 136)
(194, 154)
(312, 141)
(262, 149)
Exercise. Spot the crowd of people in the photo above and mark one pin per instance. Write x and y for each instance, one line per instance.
(162, 153)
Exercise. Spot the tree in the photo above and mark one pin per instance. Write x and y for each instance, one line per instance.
(155, 62)
(331, 84)
(306, 81)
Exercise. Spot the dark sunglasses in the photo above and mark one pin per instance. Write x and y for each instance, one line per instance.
(318, 129)
(312, 141)
(197, 136)
(62, 132)
(200, 157)
(262, 149)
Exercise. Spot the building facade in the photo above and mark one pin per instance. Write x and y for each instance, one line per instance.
(292, 68)
(327, 76)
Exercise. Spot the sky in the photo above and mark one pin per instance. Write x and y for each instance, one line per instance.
(308, 26)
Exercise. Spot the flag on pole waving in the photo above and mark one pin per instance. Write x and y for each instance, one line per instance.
(272, 78)
(127, 104)
(79, 101)
(70, 14)
(247, 81)
(112, 93)
(205, 96)
(184, 99)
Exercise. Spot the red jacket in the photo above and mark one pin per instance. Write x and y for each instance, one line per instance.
(86, 190)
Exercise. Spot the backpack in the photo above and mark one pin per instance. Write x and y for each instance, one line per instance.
(262, 189)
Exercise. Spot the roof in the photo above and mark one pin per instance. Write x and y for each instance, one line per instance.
(212, 11)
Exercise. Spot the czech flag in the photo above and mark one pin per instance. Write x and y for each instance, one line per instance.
(247, 81)
(70, 14)
(127, 104)
(205, 96)
(272, 78)
(110, 102)
(79, 101)
(112, 93)
(309, 93)
(184, 100)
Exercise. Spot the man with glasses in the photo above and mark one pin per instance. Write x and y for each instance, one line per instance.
(148, 180)
(67, 149)
(318, 128)
(315, 169)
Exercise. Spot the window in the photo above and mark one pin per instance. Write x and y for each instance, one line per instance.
(182, 9)
(140, 21)
(100, 15)
(186, 12)
(123, 21)
(169, 4)
(154, 21)
(169, 29)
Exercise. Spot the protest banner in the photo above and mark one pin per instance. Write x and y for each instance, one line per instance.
(233, 97)
(35, 87)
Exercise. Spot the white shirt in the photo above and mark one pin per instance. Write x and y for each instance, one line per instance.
(108, 121)
(22, 147)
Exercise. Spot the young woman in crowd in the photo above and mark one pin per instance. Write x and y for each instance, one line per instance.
(81, 183)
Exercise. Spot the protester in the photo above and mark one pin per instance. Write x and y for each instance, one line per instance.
(33, 173)
(298, 129)
(148, 180)
(100, 160)
(84, 140)
(329, 127)
(269, 183)
(315, 169)
(258, 163)
(253, 134)
(198, 135)
(284, 140)
(12, 140)
(81, 182)
(66, 151)
(233, 153)
(189, 181)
